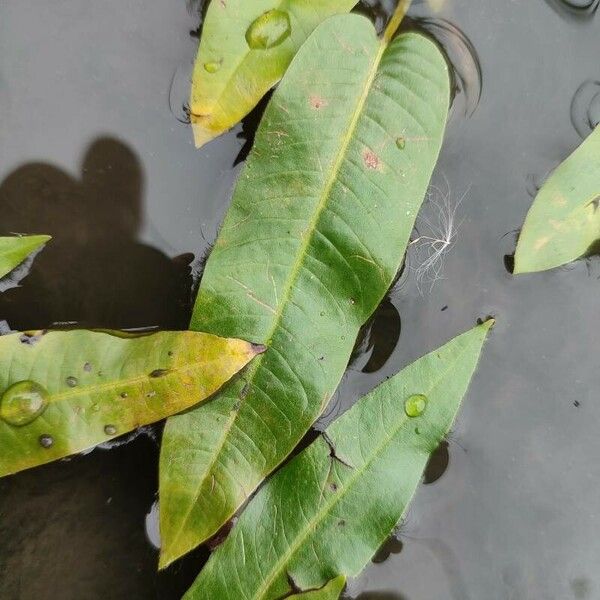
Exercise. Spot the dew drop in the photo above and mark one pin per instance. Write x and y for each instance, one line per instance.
(269, 30)
(212, 66)
(401, 142)
(110, 430)
(72, 381)
(414, 406)
(87, 367)
(23, 402)
(46, 440)
(124, 394)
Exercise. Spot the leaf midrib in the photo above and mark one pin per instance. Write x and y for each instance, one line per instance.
(297, 264)
(347, 486)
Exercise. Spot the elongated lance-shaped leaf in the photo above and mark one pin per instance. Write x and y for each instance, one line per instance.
(65, 391)
(244, 51)
(564, 221)
(14, 250)
(330, 509)
(318, 227)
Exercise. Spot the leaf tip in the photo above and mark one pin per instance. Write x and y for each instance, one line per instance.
(202, 135)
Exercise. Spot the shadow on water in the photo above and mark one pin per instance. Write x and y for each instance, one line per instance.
(93, 272)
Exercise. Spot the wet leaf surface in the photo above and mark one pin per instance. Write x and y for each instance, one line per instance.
(67, 391)
(317, 230)
(329, 510)
(564, 221)
(14, 250)
(245, 49)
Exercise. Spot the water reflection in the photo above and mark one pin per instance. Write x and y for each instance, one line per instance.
(575, 9)
(94, 272)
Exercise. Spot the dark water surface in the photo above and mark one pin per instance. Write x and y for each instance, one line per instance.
(91, 151)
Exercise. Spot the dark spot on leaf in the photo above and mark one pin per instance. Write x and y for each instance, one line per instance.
(317, 102)
(332, 452)
(341, 523)
(159, 373)
(124, 394)
(87, 367)
(333, 487)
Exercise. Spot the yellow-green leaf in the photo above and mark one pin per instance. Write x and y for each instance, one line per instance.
(14, 250)
(246, 47)
(564, 221)
(65, 391)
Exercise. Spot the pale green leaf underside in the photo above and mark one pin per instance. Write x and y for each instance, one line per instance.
(241, 76)
(14, 250)
(323, 516)
(564, 220)
(318, 227)
(101, 385)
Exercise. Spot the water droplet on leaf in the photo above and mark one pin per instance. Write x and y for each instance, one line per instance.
(212, 66)
(110, 430)
(268, 30)
(72, 381)
(46, 440)
(23, 402)
(415, 405)
(401, 142)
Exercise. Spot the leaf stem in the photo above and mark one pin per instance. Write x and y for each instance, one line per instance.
(394, 23)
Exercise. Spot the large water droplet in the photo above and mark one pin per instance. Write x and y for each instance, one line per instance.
(110, 430)
(269, 30)
(23, 402)
(72, 381)
(414, 406)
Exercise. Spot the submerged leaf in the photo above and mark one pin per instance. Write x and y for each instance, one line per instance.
(564, 221)
(65, 391)
(329, 510)
(317, 230)
(244, 51)
(14, 250)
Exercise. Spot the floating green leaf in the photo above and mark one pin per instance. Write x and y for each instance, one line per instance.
(328, 511)
(65, 391)
(564, 221)
(14, 250)
(318, 227)
(244, 51)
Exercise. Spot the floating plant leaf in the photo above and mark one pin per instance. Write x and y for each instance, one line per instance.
(14, 250)
(330, 591)
(330, 509)
(317, 230)
(244, 51)
(65, 391)
(564, 221)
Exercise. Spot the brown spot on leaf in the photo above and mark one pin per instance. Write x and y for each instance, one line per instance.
(317, 102)
(371, 160)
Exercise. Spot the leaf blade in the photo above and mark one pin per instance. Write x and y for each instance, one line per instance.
(238, 76)
(100, 386)
(305, 265)
(323, 515)
(15, 250)
(564, 221)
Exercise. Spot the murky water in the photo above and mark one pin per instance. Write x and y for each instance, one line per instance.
(92, 152)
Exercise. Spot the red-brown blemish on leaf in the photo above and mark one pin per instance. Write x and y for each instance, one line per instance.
(317, 102)
(371, 160)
